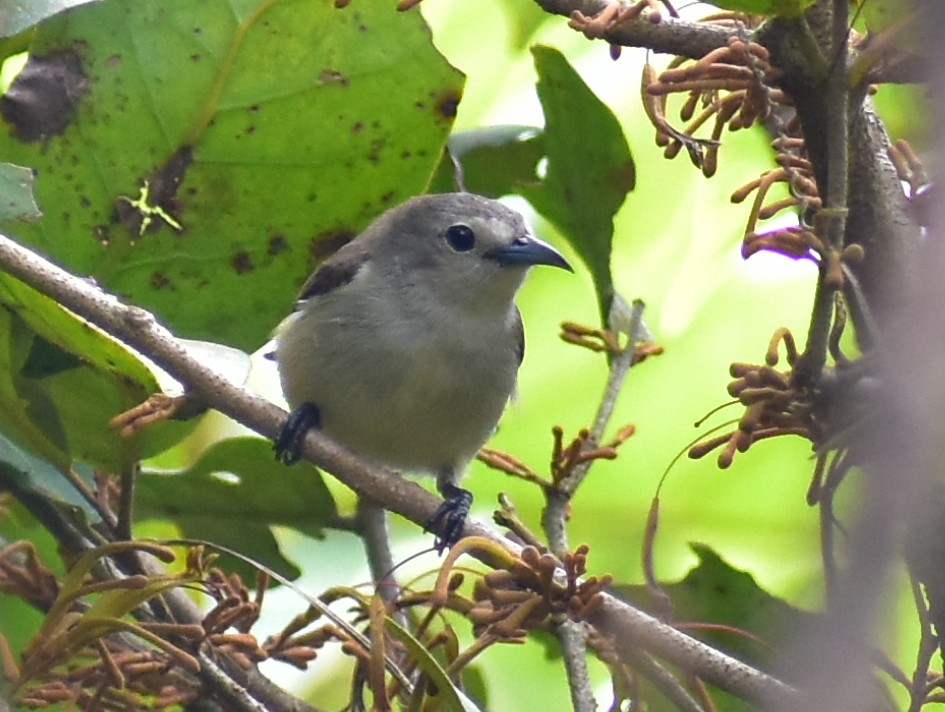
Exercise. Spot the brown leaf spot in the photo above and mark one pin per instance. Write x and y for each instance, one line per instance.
(159, 280)
(447, 104)
(277, 244)
(43, 99)
(374, 156)
(327, 243)
(242, 263)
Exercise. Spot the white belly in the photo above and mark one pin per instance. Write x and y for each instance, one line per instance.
(421, 404)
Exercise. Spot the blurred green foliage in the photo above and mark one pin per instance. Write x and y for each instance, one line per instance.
(268, 133)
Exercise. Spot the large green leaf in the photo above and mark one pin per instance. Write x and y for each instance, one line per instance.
(232, 496)
(61, 381)
(590, 169)
(209, 152)
(726, 608)
(714, 592)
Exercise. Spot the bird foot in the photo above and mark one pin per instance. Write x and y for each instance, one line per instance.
(449, 518)
(299, 422)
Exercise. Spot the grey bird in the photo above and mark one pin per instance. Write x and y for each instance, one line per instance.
(404, 345)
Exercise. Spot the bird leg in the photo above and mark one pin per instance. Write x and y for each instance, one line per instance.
(299, 422)
(449, 518)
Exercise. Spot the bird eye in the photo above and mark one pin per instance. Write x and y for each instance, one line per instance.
(460, 237)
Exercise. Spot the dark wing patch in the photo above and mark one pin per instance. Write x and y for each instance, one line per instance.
(332, 273)
(519, 336)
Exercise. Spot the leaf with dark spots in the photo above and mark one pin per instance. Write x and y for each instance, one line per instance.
(590, 169)
(157, 204)
(42, 100)
(266, 116)
(166, 181)
(447, 105)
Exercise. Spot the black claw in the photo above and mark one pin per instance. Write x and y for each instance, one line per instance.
(289, 442)
(449, 518)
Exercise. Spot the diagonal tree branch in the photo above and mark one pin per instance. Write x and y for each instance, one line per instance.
(669, 35)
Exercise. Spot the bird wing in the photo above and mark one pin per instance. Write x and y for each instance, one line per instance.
(520, 336)
(336, 271)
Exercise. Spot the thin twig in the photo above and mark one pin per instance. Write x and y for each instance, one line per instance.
(89, 496)
(663, 680)
(573, 637)
(919, 689)
(128, 477)
(555, 513)
(831, 222)
(371, 519)
(554, 517)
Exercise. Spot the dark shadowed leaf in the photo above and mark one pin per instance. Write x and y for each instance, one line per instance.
(232, 496)
(590, 169)
(726, 608)
(33, 477)
(62, 380)
(210, 152)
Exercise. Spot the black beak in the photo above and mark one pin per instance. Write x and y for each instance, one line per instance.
(526, 251)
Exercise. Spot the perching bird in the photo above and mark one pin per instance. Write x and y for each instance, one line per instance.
(404, 345)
